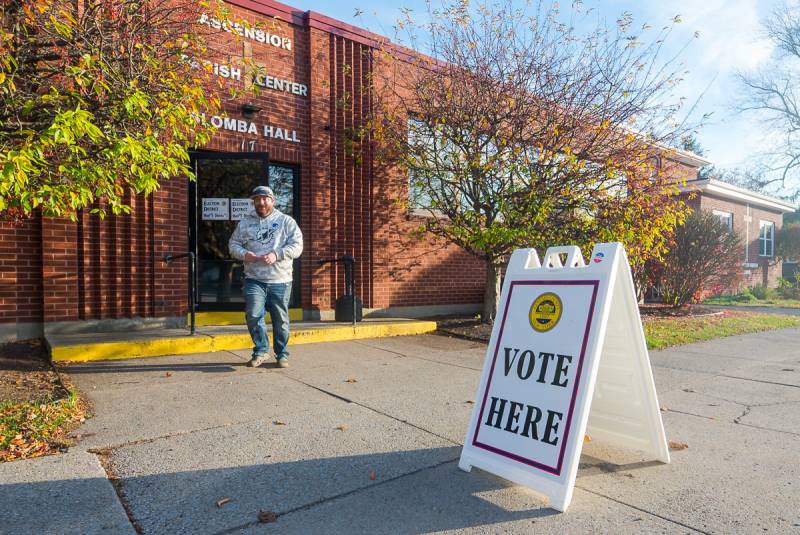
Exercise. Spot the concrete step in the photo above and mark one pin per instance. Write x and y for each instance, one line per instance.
(157, 343)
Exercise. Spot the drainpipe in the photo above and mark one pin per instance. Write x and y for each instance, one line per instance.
(747, 220)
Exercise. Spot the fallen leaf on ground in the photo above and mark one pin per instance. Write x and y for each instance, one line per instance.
(372, 476)
(168, 374)
(222, 502)
(265, 517)
(469, 401)
(673, 445)
(587, 438)
(278, 422)
(350, 380)
(342, 428)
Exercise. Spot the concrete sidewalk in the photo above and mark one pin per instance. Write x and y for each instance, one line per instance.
(364, 437)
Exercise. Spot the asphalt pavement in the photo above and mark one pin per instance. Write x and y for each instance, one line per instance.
(364, 437)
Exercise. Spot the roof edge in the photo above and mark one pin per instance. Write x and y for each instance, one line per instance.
(729, 191)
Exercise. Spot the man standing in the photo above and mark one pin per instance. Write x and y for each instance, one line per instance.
(267, 241)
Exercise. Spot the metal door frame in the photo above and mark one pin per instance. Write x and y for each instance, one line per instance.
(193, 221)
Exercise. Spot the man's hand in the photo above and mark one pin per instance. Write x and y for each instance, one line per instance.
(269, 258)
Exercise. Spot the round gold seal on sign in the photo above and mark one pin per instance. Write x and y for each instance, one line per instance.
(545, 312)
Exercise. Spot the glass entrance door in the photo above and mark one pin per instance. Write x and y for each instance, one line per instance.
(221, 198)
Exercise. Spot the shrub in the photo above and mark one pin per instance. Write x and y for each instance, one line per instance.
(760, 292)
(785, 283)
(789, 242)
(788, 288)
(745, 297)
(789, 292)
(703, 254)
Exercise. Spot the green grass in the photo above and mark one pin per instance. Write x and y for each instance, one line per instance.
(736, 300)
(34, 429)
(667, 332)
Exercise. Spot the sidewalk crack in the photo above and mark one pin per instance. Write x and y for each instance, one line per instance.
(104, 457)
(397, 353)
(758, 381)
(662, 517)
(338, 496)
(376, 411)
(747, 410)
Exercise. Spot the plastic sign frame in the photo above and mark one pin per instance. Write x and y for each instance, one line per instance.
(567, 356)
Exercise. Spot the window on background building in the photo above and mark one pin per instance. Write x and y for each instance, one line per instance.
(766, 238)
(726, 218)
(423, 142)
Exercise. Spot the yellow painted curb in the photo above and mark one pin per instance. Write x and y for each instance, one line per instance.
(205, 343)
(208, 319)
(128, 349)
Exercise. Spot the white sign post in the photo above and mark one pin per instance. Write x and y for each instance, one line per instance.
(567, 356)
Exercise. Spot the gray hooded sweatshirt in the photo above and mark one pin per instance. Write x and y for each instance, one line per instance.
(277, 232)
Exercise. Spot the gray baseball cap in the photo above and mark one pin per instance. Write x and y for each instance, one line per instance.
(259, 191)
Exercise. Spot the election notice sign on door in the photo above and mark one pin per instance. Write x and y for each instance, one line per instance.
(567, 355)
(215, 209)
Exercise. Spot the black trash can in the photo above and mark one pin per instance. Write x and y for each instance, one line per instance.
(349, 304)
(344, 308)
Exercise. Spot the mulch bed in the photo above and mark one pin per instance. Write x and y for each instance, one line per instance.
(473, 329)
(38, 406)
(26, 374)
(657, 310)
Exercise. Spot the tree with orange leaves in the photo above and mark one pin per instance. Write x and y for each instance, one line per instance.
(516, 131)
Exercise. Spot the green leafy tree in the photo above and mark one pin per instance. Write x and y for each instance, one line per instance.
(98, 98)
(691, 144)
(789, 242)
(704, 257)
(516, 132)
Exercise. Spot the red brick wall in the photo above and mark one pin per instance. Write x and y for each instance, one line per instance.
(768, 268)
(111, 268)
(21, 271)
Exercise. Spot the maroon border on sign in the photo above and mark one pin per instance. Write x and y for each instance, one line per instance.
(530, 462)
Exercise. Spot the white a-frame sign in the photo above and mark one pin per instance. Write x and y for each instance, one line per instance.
(567, 357)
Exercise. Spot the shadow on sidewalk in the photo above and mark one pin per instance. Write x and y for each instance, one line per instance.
(210, 367)
(417, 491)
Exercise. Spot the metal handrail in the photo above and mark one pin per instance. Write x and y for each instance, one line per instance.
(192, 290)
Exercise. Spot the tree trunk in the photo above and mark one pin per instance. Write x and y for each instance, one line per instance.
(491, 294)
(639, 276)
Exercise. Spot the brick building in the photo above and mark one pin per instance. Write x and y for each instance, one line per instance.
(109, 274)
(755, 217)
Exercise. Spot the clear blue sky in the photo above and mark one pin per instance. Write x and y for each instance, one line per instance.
(730, 39)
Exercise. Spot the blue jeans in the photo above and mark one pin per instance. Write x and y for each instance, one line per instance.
(261, 297)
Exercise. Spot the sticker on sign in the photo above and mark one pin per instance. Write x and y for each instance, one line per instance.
(565, 334)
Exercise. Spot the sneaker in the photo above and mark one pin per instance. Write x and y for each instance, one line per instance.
(283, 363)
(256, 361)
